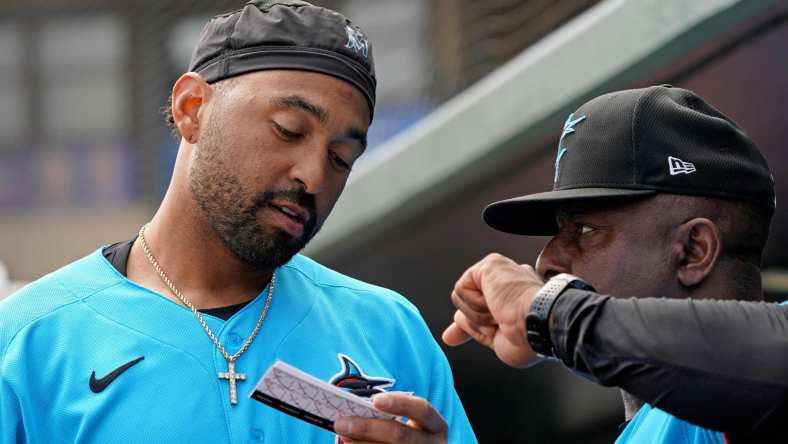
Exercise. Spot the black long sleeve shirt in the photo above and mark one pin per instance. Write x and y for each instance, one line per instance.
(722, 365)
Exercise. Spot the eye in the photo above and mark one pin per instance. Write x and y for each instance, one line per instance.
(339, 162)
(286, 133)
(583, 228)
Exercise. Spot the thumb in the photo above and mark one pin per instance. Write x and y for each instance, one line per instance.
(454, 335)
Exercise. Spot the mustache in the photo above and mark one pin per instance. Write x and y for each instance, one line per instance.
(295, 196)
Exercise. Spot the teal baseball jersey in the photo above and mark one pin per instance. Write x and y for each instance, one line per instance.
(651, 425)
(88, 356)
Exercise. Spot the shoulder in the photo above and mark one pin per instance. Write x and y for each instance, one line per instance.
(345, 286)
(51, 293)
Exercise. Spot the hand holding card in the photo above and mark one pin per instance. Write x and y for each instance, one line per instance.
(305, 397)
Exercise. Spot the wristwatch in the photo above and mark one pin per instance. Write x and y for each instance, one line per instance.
(537, 321)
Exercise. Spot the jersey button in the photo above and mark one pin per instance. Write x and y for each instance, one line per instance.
(235, 339)
(258, 435)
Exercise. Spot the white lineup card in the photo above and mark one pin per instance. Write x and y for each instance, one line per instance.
(309, 399)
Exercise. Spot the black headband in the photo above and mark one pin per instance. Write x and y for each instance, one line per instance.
(285, 34)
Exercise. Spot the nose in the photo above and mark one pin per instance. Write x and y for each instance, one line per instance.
(309, 171)
(554, 259)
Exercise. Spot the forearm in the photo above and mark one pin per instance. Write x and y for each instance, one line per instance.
(719, 364)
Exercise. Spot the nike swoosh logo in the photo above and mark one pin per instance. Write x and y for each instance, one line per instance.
(98, 385)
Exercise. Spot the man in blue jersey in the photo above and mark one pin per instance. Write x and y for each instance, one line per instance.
(161, 338)
(656, 194)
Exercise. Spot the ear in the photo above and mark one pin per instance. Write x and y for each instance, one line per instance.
(699, 245)
(189, 94)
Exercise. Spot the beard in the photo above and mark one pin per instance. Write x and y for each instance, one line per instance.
(234, 217)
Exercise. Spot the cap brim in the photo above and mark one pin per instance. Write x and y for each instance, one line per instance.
(534, 214)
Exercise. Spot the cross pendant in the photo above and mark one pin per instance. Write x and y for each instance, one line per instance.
(231, 377)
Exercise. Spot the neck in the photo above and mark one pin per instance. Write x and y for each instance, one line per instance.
(631, 405)
(732, 280)
(190, 253)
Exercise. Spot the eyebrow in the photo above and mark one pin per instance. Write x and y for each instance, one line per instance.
(321, 114)
(359, 136)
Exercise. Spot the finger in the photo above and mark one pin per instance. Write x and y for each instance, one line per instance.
(468, 279)
(491, 264)
(474, 299)
(349, 440)
(479, 334)
(454, 335)
(474, 276)
(418, 410)
(479, 317)
(357, 429)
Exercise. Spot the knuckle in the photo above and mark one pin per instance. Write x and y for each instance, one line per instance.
(360, 427)
(403, 433)
(464, 279)
(455, 297)
(443, 426)
(492, 257)
(424, 408)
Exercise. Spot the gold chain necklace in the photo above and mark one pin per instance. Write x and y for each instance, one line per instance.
(230, 375)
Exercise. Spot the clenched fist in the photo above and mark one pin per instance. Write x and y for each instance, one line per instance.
(492, 298)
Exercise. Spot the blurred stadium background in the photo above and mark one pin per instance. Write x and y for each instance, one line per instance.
(472, 96)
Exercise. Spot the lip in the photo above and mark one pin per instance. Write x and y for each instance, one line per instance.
(298, 210)
(295, 227)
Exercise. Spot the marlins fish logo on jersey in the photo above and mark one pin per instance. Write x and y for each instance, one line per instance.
(352, 379)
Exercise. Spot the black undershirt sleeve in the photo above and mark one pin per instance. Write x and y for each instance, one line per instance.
(722, 365)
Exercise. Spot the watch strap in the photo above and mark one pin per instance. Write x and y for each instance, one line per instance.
(537, 321)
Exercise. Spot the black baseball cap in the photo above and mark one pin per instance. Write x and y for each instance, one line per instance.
(285, 34)
(642, 142)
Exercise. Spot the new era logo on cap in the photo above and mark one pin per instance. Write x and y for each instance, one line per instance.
(678, 166)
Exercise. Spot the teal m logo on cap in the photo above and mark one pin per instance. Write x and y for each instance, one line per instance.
(569, 128)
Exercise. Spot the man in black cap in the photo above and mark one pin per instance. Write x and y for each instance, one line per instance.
(661, 197)
(161, 338)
